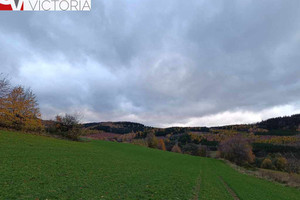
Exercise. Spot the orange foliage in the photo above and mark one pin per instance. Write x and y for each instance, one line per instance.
(19, 110)
(161, 145)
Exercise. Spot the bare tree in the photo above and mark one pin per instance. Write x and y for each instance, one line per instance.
(4, 86)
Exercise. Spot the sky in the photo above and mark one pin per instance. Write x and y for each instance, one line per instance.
(160, 63)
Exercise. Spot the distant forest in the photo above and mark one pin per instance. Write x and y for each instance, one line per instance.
(289, 125)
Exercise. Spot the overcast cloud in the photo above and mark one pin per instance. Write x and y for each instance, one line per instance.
(161, 63)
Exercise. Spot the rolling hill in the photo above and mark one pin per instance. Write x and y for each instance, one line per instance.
(280, 126)
(38, 167)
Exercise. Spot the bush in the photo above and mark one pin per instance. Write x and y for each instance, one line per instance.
(267, 164)
(176, 149)
(68, 126)
(281, 163)
(237, 149)
(74, 133)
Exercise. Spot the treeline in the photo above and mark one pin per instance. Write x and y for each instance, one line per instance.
(116, 127)
(131, 127)
(283, 123)
(280, 126)
(266, 148)
(175, 143)
(178, 130)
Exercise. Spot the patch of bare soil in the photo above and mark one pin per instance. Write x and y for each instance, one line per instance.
(197, 189)
(233, 194)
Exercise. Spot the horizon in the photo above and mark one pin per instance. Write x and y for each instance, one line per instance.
(95, 122)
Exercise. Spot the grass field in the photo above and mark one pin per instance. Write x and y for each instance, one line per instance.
(36, 167)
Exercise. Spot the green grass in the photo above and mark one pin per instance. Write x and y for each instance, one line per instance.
(36, 167)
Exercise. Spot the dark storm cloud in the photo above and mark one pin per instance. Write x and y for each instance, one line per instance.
(158, 62)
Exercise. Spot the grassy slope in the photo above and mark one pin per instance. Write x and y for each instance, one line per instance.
(34, 167)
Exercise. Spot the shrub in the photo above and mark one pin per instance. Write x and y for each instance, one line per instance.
(176, 149)
(267, 164)
(281, 163)
(237, 149)
(68, 126)
(74, 133)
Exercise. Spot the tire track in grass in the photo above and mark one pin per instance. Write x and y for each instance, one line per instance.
(233, 194)
(197, 189)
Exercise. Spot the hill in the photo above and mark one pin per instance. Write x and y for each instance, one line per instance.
(115, 127)
(283, 126)
(37, 167)
(287, 123)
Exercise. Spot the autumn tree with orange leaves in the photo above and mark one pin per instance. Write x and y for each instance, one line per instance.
(161, 145)
(19, 110)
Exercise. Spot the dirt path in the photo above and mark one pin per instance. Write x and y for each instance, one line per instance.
(233, 194)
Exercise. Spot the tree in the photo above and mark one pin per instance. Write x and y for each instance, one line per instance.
(151, 140)
(281, 163)
(161, 145)
(237, 149)
(4, 86)
(19, 110)
(185, 139)
(267, 164)
(176, 149)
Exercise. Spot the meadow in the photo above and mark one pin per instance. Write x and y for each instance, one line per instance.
(39, 167)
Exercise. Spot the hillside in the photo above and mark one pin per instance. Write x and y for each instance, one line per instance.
(284, 126)
(116, 127)
(37, 167)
